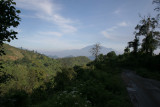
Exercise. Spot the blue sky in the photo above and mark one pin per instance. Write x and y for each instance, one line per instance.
(55, 25)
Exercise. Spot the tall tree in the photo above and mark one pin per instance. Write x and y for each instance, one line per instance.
(134, 44)
(96, 50)
(9, 19)
(127, 50)
(147, 28)
(111, 54)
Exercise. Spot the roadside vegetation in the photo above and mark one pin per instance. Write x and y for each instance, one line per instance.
(35, 79)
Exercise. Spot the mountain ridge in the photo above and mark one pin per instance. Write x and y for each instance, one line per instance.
(78, 52)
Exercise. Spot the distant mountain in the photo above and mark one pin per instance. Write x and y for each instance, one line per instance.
(78, 52)
(69, 56)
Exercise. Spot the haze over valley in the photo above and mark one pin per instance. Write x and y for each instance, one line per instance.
(77, 52)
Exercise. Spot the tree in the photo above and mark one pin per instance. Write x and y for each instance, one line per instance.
(64, 78)
(134, 44)
(9, 19)
(111, 54)
(95, 50)
(126, 50)
(147, 28)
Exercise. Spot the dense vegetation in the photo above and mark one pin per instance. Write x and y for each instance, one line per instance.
(72, 61)
(85, 87)
(35, 79)
(143, 64)
(40, 81)
(27, 69)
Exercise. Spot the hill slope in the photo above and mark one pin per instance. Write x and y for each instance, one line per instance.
(72, 61)
(28, 69)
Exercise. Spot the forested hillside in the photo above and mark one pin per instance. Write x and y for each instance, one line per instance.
(27, 69)
(30, 78)
(72, 61)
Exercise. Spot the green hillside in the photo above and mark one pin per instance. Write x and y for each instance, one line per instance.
(34, 79)
(72, 61)
(27, 69)
(13, 53)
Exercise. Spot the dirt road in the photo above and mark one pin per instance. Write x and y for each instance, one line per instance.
(143, 92)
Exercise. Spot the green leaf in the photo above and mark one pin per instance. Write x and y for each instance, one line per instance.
(18, 11)
(14, 3)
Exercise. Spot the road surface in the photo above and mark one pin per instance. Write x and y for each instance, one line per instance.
(143, 92)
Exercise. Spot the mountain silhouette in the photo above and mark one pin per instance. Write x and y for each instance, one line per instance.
(78, 52)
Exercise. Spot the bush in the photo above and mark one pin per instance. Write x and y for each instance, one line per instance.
(15, 98)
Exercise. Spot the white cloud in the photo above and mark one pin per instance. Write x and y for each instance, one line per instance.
(64, 24)
(108, 33)
(118, 11)
(123, 24)
(44, 6)
(61, 20)
(112, 28)
(47, 10)
(27, 16)
(50, 33)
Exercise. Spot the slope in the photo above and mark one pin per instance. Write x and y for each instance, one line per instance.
(72, 61)
(27, 69)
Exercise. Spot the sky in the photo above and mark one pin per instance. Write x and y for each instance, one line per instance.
(55, 25)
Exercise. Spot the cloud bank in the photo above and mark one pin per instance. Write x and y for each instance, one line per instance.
(47, 10)
(108, 33)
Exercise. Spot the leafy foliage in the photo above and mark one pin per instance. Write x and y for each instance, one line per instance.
(28, 69)
(41, 81)
(9, 19)
(93, 88)
(72, 61)
(150, 42)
